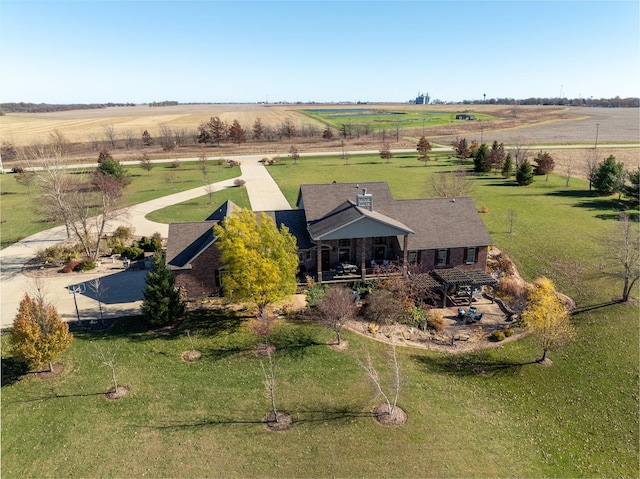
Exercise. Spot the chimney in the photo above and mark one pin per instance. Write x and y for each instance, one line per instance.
(365, 200)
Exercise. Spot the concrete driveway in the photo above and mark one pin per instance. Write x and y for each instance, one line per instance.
(122, 289)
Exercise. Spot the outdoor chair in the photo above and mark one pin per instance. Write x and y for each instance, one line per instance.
(478, 317)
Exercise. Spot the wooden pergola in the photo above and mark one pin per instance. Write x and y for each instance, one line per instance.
(457, 277)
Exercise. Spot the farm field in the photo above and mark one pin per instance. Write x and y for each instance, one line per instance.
(490, 413)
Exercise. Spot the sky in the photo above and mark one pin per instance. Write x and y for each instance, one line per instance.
(92, 51)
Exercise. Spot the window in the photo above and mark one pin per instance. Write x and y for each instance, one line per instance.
(412, 257)
(380, 240)
(471, 256)
(344, 243)
(443, 257)
(344, 255)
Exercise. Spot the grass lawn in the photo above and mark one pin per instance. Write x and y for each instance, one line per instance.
(19, 208)
(486, 414)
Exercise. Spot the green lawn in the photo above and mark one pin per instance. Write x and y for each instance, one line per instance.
(577, 418)
(19, 208)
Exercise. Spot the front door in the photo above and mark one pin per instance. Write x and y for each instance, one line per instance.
(326, 260)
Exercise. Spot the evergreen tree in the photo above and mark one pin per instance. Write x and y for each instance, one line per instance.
(524, 175)
(146, 138)
(162, 304)
(544, 164)
(481, 160)
(38, 335)
(113, 168)
(496, 155)
(424, 147)
(609, 177)
(507, 167)
(632, 191)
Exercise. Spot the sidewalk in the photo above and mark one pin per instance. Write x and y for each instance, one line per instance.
(124, 289)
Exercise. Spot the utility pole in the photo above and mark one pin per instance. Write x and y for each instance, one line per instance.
(597, 130)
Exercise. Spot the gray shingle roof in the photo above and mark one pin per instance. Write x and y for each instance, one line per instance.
(186, 241)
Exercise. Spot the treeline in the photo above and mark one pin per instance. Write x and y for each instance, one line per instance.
(23, 107)
(616, 102)
(163, 103)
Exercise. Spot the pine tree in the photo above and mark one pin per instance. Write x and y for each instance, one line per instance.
(162, 304)
(481, 160)
(524, 175)
(424, 147)
(38, 335)
(507, 167)
(609, 176)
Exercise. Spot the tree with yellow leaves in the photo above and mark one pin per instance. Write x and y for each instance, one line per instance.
(548, 316)
(260, 259)
(38, 335)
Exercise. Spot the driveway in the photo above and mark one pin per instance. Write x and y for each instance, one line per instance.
(122, 289)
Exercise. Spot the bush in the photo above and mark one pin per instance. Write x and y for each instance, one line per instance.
(86, 265)
(435, 320)
(497, 336)
(484, 209)
(150, 245)
(57, 254)
(508, 332)
(133, 253)
(175, 164)
(373, 328)
(315, 294)
(220, 162)
(70, 266)
(238, 182)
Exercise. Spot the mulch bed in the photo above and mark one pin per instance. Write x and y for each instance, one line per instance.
(120, 393)
(57, 370)
(344, 345)
(382, 416)
(283, 423)
(191, 355)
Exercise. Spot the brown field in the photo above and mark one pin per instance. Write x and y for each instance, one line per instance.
(528, 125)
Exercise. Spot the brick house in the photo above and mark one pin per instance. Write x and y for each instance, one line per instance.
(349, 231)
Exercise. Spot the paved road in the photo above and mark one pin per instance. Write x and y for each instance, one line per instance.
(122, 289)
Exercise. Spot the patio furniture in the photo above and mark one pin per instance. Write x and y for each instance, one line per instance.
(478, 317)
(461, 313)
(347, 268)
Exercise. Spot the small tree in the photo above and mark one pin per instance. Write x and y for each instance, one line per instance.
(38, 335)
(544, 164)
(548, 317)
(452, 183)
(481, 160)
(26, 178)
(337, 306)
(236, 133)
(609, 177)
(257, 129)
(108, 359)
(375, 378)
(524, 175)
(327, 134)
(113, 168)
(99, 289)
(507, 167)
(461, 147)
(424, 147)
(294, 154)
(385, 153)
(146, 164)
(146, 138)
(624, 246)
(632, 191)
(162, 303)
(496, 156)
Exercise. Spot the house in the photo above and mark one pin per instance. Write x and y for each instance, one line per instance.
(464, 116)
(349, 231)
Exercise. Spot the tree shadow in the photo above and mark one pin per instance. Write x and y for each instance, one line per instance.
(293, 342)
(586, 309)
(12, 371)
(59, 396)
(472, 364)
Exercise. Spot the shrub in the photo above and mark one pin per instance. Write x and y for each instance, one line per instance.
(435, 320)
(373, 328)
(238, 182)
(150, 245)
(118, 249)
(175, 164)
(508, 332)
(497, 336)
(86, 265)
(220, 162)
(57, 254)
(315, 294)
(133, 253)
(484, 209)
(70, 266)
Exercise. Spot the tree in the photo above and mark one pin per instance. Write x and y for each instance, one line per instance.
(375, 378)
(548, 317)
(451, 184)
(337, 306)
(217, 130)
(524, 174)
(146, 138)
(461, 147)
(236, 133)
(624, 247)
(609, 177)
(385, 153)
(632, 191)
(260, 259)
(112, 167)
(162, 303)
(327, 134)
(287, 129)
(99, 289)
(146, 164)
(383, 308)
(108, 359)
(294, 154)
(424, 147)
(544, 164)
(496, 155)
(258, 129)
(507, 167)
(26, 178)
(481, 160)
(592, 165)
(203, 134)
(38, 335)
(109, 135)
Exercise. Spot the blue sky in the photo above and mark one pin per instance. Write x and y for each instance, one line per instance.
(241, 51)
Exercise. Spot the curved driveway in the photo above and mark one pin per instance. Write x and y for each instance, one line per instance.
(121, 290)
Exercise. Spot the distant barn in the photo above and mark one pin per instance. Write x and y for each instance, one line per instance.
(464, 116)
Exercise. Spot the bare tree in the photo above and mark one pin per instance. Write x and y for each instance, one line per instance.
(146, 163)
(625, 248)
(166, 138)
(58, 143)
(520, 152)
(26, 178)
(202, 160)
(269, 382)
(129, 139)
(109, 135)
(385, 152)
(568, 170)
(592, 165)
(99, 289)
(337, 307)
(511, 217)
(375, 378)
(451, 184)
(108, 359)
(294, 154)
(210, 189)
(171, 177)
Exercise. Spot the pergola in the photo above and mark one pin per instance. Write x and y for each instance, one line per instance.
(458, 277)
